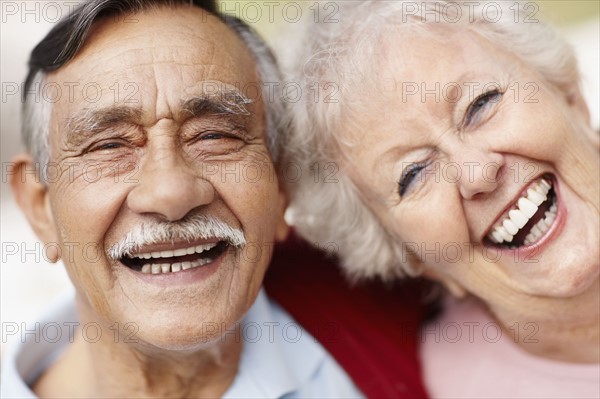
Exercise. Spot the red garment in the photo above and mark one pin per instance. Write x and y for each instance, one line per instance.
(370, 329)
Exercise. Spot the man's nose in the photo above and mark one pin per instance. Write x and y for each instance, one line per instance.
(169, 187)
(479, 172)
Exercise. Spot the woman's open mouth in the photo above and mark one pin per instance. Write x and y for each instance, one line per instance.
(528, 219)
(175, 260)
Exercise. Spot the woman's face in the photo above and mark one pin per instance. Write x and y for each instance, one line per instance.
(487, 173)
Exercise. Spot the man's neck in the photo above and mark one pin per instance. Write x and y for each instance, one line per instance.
(109, 369)
(563, 329)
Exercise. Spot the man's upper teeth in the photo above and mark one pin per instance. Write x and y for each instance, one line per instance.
(508, 226)
(176, 252)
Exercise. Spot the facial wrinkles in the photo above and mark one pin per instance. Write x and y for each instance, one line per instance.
(582, 175)
(544, 133)
(170, 70)
(581, 170)
(106, 293)
(164, 108)
(575, 157)
(163, 143)
(411, 126)
(363, 144)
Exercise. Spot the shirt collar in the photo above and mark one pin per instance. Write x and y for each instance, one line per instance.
(37, 345)
(278, 356)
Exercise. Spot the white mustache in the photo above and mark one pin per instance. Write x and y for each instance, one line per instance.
(197, 227)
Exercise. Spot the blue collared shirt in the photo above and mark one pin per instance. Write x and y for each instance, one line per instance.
(279, 358)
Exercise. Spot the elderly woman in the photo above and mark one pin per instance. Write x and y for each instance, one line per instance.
(451, 140)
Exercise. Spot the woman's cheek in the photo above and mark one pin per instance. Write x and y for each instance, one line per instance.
(433, 225)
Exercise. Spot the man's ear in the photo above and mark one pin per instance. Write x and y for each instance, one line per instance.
(32, 197)
(282, 229)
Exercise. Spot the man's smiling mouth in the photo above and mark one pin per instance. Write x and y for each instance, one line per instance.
(157, 248)
(528, 219)
(175, 260)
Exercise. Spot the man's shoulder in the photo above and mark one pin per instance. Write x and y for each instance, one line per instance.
(33, 346)
(282, 359)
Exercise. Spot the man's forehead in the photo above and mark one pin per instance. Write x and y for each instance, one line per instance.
(174, 24)
(182, 36)
(220, 100)
(152, 69)
(203, 55)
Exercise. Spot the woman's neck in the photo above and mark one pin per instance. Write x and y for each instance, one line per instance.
(563, 329)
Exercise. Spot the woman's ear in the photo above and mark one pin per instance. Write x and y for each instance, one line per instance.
(32, 197)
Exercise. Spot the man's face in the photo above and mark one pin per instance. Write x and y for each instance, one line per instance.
(145, 138)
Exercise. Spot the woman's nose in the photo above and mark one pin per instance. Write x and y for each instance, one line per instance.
(479, 172)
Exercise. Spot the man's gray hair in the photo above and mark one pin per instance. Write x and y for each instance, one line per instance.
(68, 36)
(341, 53)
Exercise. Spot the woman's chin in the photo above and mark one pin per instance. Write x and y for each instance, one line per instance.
(572, 265)
(571, 280)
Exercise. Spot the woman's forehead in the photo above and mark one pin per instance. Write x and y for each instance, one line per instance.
(434, 54)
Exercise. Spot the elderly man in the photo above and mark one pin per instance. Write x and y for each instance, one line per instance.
(156, 187)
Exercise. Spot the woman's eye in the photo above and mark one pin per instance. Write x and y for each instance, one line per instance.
(481, 103)
(408, 176)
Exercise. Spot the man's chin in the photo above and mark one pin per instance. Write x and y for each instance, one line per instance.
(178, 337)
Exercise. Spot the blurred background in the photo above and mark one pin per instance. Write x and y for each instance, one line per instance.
(27, 282)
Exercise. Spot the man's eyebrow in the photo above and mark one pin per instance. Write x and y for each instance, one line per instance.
(223, 102)
(88, 122)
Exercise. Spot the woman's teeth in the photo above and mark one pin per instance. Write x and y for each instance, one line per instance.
(511, 224)
(542, 226)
